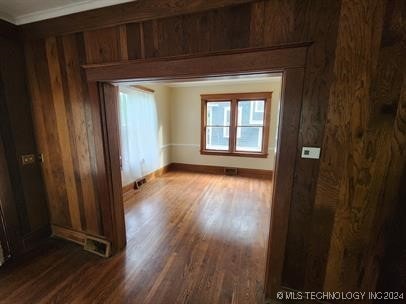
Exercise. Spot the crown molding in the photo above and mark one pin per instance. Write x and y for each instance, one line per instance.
(68, 9)
(7, 18)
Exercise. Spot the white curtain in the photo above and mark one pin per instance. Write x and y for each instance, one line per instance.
(139, 134)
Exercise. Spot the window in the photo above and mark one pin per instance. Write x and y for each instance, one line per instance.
(138, 133)
(236, 124)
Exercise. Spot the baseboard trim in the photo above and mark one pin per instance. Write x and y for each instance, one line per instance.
(219, 170)
(77, 237)
(130, 189)
(71, 235)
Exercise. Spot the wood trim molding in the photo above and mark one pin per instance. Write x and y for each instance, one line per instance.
(71, 235)
(257, 61)
(288, 132)
(68, 234)
(136, 11)
(234, 99)
(111, 142)
(130, 189)
(290, 60)
(219, 170)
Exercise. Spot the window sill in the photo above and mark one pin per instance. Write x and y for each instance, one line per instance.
(238, 154)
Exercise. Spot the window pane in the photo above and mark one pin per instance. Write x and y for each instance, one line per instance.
(249, 139)
(251, 112)
(217, 138)
(218, 113)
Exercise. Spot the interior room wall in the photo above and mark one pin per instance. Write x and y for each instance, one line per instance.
(57, 48)
(162, 102)
(162, 98)
(22, 193)
(186, 123)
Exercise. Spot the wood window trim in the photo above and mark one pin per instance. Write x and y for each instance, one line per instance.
(234, 98)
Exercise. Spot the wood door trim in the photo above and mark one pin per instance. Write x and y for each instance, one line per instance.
(247, 61)
(289, 61)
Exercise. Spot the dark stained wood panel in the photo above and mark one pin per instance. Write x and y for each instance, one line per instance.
(46, 132)
(360, 181)
(9, 31)
(180, 251)
(63, 131)
(325, 194)
(109, 95)
(106, 45)
(81, 138)
(9, 231)
(197, 33)
(135, 41)
(315, 21)
(62, 112)
(136, 11)
(23, 198)
(221, 63)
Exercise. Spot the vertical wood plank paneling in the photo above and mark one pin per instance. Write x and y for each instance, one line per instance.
(46, 134)
(123, 42)
(279, 22)
(257, 24)
(105, 45)
(63, 130)
(388, 103)
(310, 224)
(359, 167)
(135, 45)
(75, 85)
(150, 34)
(16, 130)
(69, 104)
(229, 28)
(196, 33)
(333, 207)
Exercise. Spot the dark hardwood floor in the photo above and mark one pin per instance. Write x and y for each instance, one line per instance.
(192, 238)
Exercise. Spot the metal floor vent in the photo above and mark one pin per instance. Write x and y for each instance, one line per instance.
(139, 183)
(98, 246)
(230, 171)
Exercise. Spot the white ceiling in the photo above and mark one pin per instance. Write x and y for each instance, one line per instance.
(26, 11)
(211, 81)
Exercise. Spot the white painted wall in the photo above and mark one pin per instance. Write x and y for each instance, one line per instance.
(185, 107)
(162, 97)
(178, 109)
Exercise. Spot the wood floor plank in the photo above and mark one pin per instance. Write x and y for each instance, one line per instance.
(192, 238)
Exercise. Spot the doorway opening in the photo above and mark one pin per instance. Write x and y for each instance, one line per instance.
(289, 61)
(198, 156)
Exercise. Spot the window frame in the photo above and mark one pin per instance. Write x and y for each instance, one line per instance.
(234, 98)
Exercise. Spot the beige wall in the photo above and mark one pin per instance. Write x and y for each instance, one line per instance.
(185, 123)
(178, 109)
(162, 97)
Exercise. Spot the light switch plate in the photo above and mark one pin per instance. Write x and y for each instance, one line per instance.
(311, 152)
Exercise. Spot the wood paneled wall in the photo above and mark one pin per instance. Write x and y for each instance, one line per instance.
(358, 183)
(359, 163)
(22, 190)
(64, 131)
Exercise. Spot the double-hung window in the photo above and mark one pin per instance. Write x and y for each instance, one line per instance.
(236, 124)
